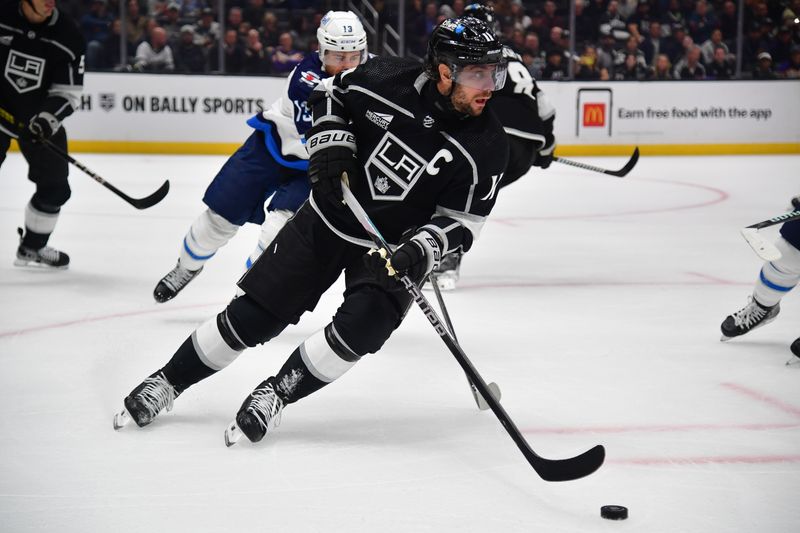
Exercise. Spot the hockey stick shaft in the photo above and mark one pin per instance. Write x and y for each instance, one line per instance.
(780, 219)
(493, 388)
(618, 173)
(138, 203)
(548, 469)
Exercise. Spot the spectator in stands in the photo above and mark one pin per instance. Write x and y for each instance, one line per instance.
(674, 44)
(701, 22)
(708, 48)
(754, 43)
(190, 57)
(537, 25)
(631, 69)
(621, 59)
(588, 69)
(720, 67)
(606, 51)
(135, 24)
(763, 70)
(519, 20)
(689, 67)
(111, 52)
(533, 56)
(653, 44)
(639, 21)
(585, 25)
(556, 40)
(156, 55)
(662, 70)
(171, 24)
(255, 56)
(285, 57)
(728, 22)
(614, 22)
(551, 17)
(673, 16)
(233, 54)
(206, 31)
(269, 32)
(781, 46)
(189, 9)
(254, 13)
(791, 69)
(234, 19)
(555, 68)
(415, 15)
(96, 27)
(517, 41)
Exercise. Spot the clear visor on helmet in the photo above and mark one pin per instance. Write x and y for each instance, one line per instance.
(489, 76)
(347, 60)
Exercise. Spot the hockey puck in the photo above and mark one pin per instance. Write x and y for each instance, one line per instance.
(795, 347)
(614, 512)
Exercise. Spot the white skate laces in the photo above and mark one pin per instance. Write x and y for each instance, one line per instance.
(266, 406)
(178, 277)
(157, 394)
(749, 315)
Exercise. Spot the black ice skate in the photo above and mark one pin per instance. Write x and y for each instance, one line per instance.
(447, 273)
(146, 401)
(45, 257)
(748, 318)
(260, 412)
(174, 282)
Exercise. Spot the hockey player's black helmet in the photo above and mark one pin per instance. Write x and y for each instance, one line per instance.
(461, 42)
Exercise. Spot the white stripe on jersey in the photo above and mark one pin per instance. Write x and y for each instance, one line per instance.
(58, 44)
(472, 164)
(379, 98)
(474, 223)
(72, 93)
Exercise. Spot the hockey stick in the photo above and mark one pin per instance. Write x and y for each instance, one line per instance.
(493, 387)
(138, 203)
(548, 469)
(762, 247)
(618, 173)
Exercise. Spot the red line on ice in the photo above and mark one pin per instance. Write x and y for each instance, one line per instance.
(769, 400)
(704, 460)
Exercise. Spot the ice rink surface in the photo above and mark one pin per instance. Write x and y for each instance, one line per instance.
(594, 302)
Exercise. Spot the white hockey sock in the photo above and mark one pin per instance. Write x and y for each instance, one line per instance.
(211, 348)
(778, 277)
(269, 229)
(209, 233)
(39, 221)
(320, 359)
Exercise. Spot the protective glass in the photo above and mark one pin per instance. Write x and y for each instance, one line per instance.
(336, 58)
(491, 76)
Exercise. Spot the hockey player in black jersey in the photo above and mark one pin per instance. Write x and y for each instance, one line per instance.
(424, 159)
(42, 56)
(527, 117)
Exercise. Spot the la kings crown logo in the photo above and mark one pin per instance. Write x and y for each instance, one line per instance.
(24, 71)
(393, 168)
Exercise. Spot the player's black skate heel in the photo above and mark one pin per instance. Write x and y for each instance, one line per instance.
(170, 285)
(146, 401)
(260, 412)
(748, 318)
(43, 257)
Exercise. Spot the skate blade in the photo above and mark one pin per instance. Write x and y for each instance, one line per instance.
(121, 419)
(232, 434)
(494, 390)
(446, 283)
(24, 263)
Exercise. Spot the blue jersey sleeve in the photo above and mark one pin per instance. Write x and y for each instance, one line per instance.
(304, 78)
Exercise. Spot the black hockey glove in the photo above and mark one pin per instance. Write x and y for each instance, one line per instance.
(325, 169)
(41, 126)
(545, 156)
(415, 258)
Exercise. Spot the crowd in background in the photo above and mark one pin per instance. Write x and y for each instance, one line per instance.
(614, 39)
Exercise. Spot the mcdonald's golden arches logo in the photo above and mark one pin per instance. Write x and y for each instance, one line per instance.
(594, 115)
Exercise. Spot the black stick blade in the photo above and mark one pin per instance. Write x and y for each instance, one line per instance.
(569, 469)
(147, 201)
(628, 166)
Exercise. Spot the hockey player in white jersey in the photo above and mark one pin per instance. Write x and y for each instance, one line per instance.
(423, 157)
(273, 161)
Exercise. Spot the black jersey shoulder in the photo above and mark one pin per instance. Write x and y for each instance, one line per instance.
(392, 74)
(65, 31)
